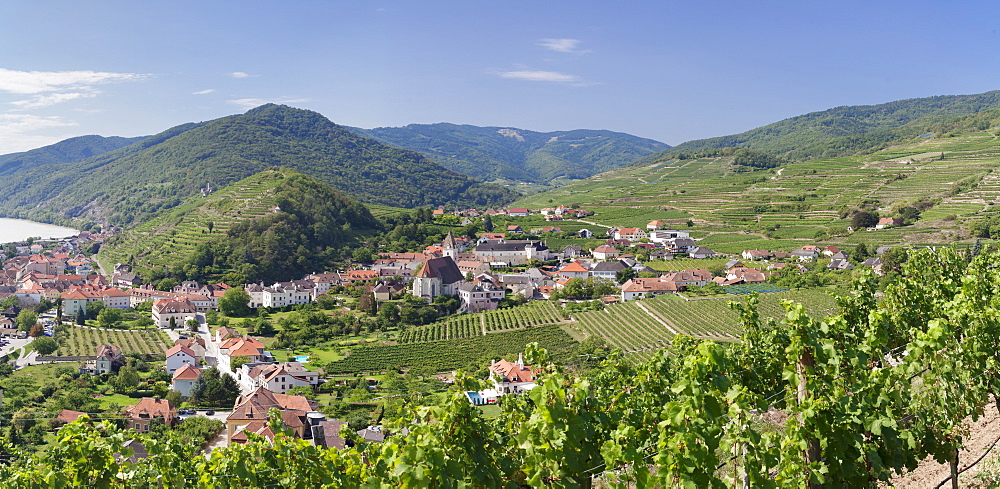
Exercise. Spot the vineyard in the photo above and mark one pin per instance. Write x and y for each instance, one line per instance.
(440, 356)
(646, 324)
(501, 320)
(77, 341)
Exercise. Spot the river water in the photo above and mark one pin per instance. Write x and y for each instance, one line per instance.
(12, 230)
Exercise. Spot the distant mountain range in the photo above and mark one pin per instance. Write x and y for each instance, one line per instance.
(847, 130)
(65, 151)
(519, 155)
(138, 181)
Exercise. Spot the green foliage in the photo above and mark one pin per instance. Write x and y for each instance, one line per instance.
(44, 345)
(26, 319)
(852, 129)
(213, 389)
(585, 288)
(109, 317)
(235, 302)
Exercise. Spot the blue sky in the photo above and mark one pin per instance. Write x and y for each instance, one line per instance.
(671, 71)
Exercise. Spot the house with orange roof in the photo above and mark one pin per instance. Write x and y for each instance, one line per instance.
(225, 333)
(247, 347)
(631, 234)
(654, 225)
(574, 269)
(638, 288)
(146, 410)
(184, 379)
(605, 252)
(256, 405)
(508, 378)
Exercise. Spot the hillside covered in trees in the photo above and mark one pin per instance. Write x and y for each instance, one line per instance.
(854, 129)
(139, 181)
(509, 154)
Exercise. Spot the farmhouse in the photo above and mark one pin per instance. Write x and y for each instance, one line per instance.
(605, 252)
(483, 295)
(179, 356)
(647, 287)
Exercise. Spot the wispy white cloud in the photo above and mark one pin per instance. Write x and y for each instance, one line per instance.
(34, 82)
(249, 103)
(563, 45)
(239, 74)
(539, 75)
(16, 131)
(203, 92)
(51, 99)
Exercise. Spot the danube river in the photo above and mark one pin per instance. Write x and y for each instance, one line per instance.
(12, 230)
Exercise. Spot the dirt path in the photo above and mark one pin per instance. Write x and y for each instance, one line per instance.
(982, 434)
(657, 318)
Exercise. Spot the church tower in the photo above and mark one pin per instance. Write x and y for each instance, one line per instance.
(450, 247)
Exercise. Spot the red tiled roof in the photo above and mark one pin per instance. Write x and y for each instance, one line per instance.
(187, 372)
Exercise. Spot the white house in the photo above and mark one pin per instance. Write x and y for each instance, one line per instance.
(179, 356)
(184, 379)
(277, 377)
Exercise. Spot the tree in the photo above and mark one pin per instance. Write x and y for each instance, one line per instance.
(125, 381)
(238, 362)
(81, 317)
(36, 330)
(363, 255)
(488, 224)
(864, 220)
(44, 345)
(26, 319)
(235, 302)
(109, 317)
(625, 274)
(193, 325)
(173, 322)
(264, 327)
(94, 308)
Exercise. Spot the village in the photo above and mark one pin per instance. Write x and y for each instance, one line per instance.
(480, 273)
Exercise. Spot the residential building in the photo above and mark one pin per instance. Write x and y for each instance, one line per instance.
(179, 310)
(255, 406)
(178, 356)
(483, 295)
(146, 410)
(109, 358)
(512, 252)
(184, 379)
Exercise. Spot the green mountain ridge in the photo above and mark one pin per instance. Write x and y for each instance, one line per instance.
(65, 151)
(139, 181)
(510, 154)
(848, 130)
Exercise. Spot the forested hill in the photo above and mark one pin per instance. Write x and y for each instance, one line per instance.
(847, 130)
(138, 181)
(65, 151)
(270, 226)
(497, 153)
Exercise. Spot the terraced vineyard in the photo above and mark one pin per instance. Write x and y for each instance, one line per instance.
(800, 202)
(155, 242)
(447, 355)
(639, 324)
(463, 326)
(79, 341)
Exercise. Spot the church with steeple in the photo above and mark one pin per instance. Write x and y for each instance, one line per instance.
(439, 276)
